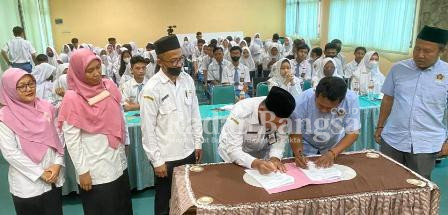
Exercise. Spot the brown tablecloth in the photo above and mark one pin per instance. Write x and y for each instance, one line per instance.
(380, 187)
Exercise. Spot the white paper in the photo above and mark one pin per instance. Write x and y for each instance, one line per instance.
(321, 174)
(271, 180)
(227, 107)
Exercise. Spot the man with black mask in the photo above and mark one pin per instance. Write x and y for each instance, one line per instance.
(240, 76)
(171, 124)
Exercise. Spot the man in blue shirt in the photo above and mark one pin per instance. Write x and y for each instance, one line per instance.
(414, 103)
(325, 121)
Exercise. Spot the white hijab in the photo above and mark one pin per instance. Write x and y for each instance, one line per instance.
(287, 49)
(42, 72)
(53, 60)
(367, 71)
(134, 48)
(249, 62)
(277, 46)
(319, 74)
(257, 41)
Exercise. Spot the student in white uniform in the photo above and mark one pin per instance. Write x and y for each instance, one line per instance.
(254, 135)
(325, 68)
(339, 56)
(197, 56)
(95, 141)
(273, 55)
(124, 68)
(241, 76)
(301, 67)
(247, 60)
(43, 74)
(331, 51)
(218, 72)
(53, 57)
(282, 76)
(171, 123)
(352, 66)
(287, 47)
(60, 85)
(30, 144)
(18, 52)
(368, 73)
(131, 89)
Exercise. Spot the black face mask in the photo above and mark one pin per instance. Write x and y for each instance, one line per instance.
(50, 54)
(235, 58)
(175, 71)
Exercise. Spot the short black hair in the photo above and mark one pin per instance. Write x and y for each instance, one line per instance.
(201, 41)
(236, 48)
(75, 40)
(71, 46)
(40, 58)
(214, 42)
(150, 46)
(332, 88)
(303, 46)
(331, 46)
(275, 36)
(217, 48)
(338, 41)
(317, 50)
(229, 38)
(248, 40)
(127, 46)
(17, 31)
(198, 33)
(137, 59)
(360, 48)
(110, 39)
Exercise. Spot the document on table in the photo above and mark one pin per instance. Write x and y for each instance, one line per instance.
(321, 174)
(271, 180)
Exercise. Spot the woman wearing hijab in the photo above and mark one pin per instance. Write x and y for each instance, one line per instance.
(283, 77)
(273, 55)
(368, 72)
(94, 131)
(243, 43)
(247, 59)
(60, 85)
(287, 47)
(53, 57)
(123, 67)
(43, 74)
(65, 54)
(30, 144)
(325, 68)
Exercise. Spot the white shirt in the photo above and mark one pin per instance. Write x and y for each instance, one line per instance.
(213, 72)
(304, 69)
(92, 153)
(19, 50)
(294, 90)
(130, 91)
(243, 74)
(171, 123)
(45, 91)
(243, 139)
(24, 174)
(350, 68)
(205, 63)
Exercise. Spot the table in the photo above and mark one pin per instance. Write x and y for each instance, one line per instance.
(380, 187)
(141, 174)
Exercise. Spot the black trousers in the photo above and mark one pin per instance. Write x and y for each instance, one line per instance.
(49, 203)
(108, 199)
(163, 185)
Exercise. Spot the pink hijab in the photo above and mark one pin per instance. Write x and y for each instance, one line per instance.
(33, 123)
(104, 117)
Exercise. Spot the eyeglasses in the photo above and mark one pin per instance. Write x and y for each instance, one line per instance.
(176, 61)
(22, 88)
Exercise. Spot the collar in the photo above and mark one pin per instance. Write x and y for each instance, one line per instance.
(414, 66)
(164, 78)
(254, 117)
(135, 83)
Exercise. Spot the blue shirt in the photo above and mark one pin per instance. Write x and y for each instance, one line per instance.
(321, 131)
(415, 123)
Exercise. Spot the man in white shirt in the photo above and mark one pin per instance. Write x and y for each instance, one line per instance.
(19, 52)
(300, 66)
(339, 56)
(351, 67)
(171, 123)
(254, 135)
(132, 88)
(241, 76)
(197, 56)
(218, 72)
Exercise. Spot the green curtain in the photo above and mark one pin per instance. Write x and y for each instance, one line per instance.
(378, 24)
(9, 16)
(302, 18)
(37, 23)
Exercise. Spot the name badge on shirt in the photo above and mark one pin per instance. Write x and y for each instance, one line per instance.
(165, 97)
(440, 78)
(272, 138)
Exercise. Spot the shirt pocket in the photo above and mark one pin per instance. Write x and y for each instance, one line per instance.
(188, 97)
(436, 95)
(167, 107)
